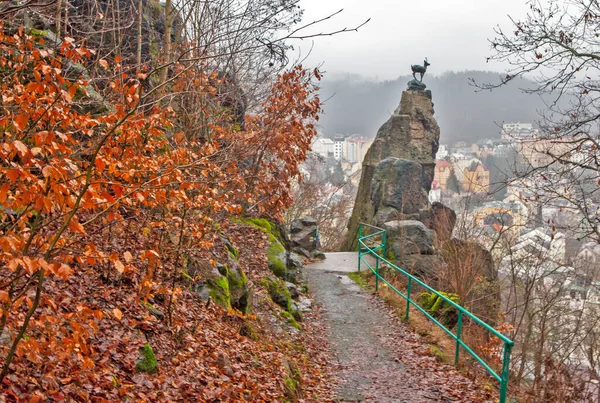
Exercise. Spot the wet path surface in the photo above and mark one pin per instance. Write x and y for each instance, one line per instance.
(378, 358)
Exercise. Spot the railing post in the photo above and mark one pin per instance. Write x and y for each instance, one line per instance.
(408, 297)
(385, 245)
(377, 272)
(505, 370)
(359, 236)
(458, 332)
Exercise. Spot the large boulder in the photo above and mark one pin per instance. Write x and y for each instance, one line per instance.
(441, 219)
(304, 235)
(427, 267)
(409, 237)
(397, 183)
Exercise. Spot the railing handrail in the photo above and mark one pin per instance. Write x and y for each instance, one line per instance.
(362, 247)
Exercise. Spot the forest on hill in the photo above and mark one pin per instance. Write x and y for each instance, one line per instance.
(353, 104)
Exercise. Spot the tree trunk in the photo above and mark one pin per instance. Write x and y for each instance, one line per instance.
(167, 43)
(139, 32)
(58, 18)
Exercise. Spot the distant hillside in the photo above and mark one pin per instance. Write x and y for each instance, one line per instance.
(356, 105)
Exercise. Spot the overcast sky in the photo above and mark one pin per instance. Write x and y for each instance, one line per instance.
(453, 34)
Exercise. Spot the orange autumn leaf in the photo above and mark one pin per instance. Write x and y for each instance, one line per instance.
(117, 313)
(21, 121)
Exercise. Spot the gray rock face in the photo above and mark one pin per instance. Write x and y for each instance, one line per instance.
(409, 237)
(397, 183)
(304, 234)
(441, 219)
(293, 289)
(410, 134)
(423, 266)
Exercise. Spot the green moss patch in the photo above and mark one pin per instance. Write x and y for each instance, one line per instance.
(278, 293)
(293, 381)
(219, 292)
(248, 331)
(358, 278)
(276, 252)
(290, 319)
(439, 308)
(147, 363)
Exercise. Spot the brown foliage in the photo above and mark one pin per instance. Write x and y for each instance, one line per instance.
(99, 214)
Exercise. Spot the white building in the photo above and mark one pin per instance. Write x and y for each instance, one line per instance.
(435, 194)
(338, 148)
(351, 149)
(442, 152)
(323, 146)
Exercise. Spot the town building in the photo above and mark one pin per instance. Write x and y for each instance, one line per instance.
(435, 194)
(441, 173)
(338, 147)
(502, 215)
(542, 152)
(518, 131)
(351, 149)
(476, 178)
(355, 148)
(442, 152)
(323, 146)
(460, 165)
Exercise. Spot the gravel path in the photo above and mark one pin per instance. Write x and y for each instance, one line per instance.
(378, 358)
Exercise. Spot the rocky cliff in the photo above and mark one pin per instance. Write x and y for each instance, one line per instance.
(398, 168)
(397, 173)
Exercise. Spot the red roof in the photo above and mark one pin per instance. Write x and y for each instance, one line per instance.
(442, 164)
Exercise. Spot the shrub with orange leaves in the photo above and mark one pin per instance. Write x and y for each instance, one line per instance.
(128, 193)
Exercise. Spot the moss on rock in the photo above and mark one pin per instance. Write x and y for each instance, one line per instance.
(439, 308)
(278, 292)
(297, 315)
(276, 257)
(290, 319)
(248, 331)
(219, 291)
(147, 362)
(293, 381)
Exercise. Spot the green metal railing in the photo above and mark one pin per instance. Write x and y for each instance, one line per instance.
(368, 245)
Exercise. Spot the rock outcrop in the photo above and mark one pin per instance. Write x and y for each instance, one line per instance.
(398, 168)
(397, 173)
(304, 237)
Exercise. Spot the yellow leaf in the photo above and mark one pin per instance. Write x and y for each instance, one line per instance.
(103, 63)
(118, 314)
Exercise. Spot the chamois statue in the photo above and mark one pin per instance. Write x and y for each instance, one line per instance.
(420, 69)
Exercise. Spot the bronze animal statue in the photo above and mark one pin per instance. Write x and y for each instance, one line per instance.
(420, 69)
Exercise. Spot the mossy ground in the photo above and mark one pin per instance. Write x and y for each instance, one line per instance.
(359, 278)
(293, 381)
